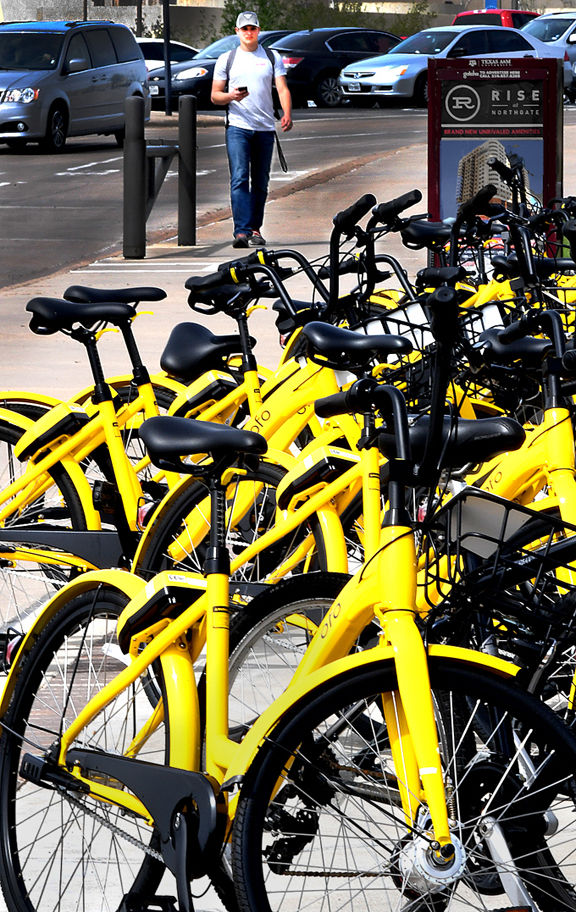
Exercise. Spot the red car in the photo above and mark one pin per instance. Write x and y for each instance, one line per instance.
(508, 17)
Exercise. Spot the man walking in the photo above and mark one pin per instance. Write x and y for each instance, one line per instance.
(243, 80)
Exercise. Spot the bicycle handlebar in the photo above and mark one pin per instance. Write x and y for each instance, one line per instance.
(547, 321)
(365, 395)
(345, 221)
(479, 204)
(386, 213)
(500, 168)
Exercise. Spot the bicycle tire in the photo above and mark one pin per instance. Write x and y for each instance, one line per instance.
(26, 584)
(81, 636)
(169, 524)
(48, 696)
(324, 773)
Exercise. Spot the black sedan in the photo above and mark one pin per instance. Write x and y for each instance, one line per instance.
(194, 77)
(314, 58)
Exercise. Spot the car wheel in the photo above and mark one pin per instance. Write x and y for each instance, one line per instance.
(56, 130)
(327, 92)
(421, 91)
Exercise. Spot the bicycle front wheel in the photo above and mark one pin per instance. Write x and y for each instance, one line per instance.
(320, 823)
(59, 850)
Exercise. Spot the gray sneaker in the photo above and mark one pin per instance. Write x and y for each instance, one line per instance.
(256, 240)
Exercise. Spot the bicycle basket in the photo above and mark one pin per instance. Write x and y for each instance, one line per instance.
(478, 543)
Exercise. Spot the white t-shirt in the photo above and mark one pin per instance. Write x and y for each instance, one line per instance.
(253, 70)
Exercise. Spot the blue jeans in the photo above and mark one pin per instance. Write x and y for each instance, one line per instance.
(249, 159)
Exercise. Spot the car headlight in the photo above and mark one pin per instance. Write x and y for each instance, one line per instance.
(391, 73)
(22, 96)
(192, 73)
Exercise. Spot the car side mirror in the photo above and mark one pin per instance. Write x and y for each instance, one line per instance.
(571, 39)
(456, 52)
(76, 65)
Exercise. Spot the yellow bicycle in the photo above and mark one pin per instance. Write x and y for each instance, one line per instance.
(407, 775)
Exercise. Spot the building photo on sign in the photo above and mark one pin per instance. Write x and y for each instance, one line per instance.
(493, 109)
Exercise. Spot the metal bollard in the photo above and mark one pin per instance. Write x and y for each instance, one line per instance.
(135, 186)
(187, 142)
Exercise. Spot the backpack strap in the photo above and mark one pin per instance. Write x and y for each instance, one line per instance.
(272, 59)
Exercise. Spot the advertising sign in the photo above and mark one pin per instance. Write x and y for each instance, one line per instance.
(483, 108)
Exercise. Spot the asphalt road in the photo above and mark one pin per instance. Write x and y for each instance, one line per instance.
(58, 210)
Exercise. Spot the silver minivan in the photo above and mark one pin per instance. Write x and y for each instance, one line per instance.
(60, 79)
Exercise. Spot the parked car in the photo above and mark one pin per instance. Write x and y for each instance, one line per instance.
(403, 72)
(194, 77)
(60, 79)
(153, 50)
(313, 59)
(557, 30)
(511, 18)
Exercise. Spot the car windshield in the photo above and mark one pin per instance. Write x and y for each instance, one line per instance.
(29, 50)
(428, 43)
(548, 29)
(220, 46)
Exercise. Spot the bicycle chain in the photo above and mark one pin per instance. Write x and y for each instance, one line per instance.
(111, 826)
(328, 874)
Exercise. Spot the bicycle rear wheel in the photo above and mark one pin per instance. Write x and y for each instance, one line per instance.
(169, 544)
(25, 582)
(319, 822)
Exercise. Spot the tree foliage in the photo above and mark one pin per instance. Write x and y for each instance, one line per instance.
(304, 14)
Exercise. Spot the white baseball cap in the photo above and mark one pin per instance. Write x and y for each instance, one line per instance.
(247, 18)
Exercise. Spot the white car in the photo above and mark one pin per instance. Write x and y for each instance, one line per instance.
(403, 71)
(153, 50)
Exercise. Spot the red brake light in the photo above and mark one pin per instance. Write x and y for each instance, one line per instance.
(291, 61)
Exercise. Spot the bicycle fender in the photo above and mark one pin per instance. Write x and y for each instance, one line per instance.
(303, 689)
(15, 418)
(84, 395)
(125, 583)
(25, 396)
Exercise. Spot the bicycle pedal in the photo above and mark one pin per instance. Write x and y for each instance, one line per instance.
(45, 773)
(105, 498)
(156, 904)
(10, 640)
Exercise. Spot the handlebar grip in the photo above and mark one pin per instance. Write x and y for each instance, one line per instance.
(500, 168)
(569, 361)
(251, 259)
(569, 232)
(442, 297)
(329, 406)
(200, 284)
(513, 332)
(479, 204)
(387, 212)
(349, 265)
(345, 221)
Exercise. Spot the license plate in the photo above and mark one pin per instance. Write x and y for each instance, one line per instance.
(354, 87)
(154, 90)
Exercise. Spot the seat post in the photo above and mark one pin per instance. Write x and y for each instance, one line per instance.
(217, 571)
(102, 391)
